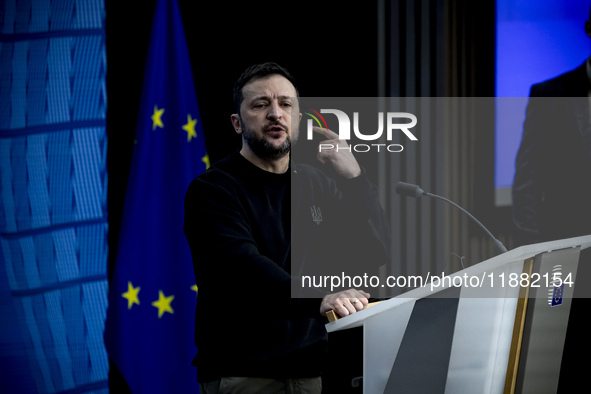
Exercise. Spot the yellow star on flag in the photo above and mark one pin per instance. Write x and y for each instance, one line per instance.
(194, 288)
(163, 304)
(157, 118)
(205, 159)
(131, 295)
(190, 128)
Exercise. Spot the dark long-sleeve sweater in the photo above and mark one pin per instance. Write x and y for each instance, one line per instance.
(239, 223)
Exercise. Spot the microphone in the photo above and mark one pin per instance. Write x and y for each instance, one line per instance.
(414, 191)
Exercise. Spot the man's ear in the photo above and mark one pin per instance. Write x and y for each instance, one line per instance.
(236, 123)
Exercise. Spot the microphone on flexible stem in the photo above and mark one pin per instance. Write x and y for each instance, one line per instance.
(414, 191)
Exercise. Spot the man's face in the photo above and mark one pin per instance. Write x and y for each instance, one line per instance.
(265, 119)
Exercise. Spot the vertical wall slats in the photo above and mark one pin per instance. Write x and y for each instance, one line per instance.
(430, 55)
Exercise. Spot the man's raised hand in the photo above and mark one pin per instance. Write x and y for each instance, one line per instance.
(338, 153)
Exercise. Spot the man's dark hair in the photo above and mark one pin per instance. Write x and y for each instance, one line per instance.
(256, 72)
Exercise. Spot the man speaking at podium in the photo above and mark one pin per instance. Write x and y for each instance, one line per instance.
(251, 335)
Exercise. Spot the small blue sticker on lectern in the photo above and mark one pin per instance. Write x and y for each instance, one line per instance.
(557, 295)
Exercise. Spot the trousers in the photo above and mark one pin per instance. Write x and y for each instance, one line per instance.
(241, 385)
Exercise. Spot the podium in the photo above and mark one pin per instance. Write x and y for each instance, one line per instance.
(495, 327)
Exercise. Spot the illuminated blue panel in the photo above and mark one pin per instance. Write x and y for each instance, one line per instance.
(53, 183)
(535, 41)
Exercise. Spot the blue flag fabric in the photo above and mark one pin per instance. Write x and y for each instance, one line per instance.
(151, 316)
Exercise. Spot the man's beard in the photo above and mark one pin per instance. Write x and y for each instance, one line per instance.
(263, 148)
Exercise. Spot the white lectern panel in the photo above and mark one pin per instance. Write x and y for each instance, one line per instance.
(477, 342)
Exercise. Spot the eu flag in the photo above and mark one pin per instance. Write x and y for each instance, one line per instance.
(151, 315)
